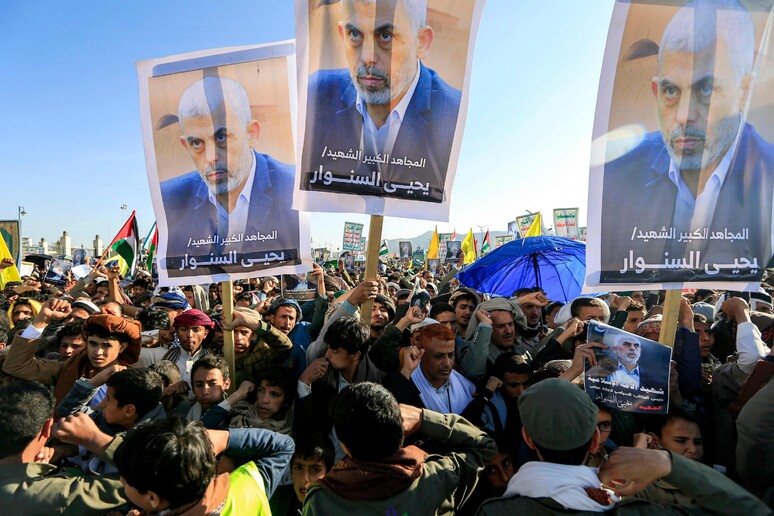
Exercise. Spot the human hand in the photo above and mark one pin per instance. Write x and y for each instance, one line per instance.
(483, 317)
(493, 383)
(113, 273)
(623, 302)
(413, 316)
(81, 430)
(54, 309)
(411, 417)
(535, 298)
(180, 388)
(583, 352)
(102, 377)
(363, 292)
(44, 455)
(243, 316)
(736, 309)
(97, 272)
(645, 441)
(6, 262)
(245, 388)
(630, 470)
(314, 371)
(685, 314)
(412, 356)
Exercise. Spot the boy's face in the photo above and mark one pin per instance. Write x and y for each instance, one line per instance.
(209, 387)
(112, 413)
(304, 472)
(143, 501)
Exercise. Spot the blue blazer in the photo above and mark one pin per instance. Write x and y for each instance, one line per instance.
(427, 131)
(637, 192)
(190, 215)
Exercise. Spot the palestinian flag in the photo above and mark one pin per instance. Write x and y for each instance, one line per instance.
(383, 251)
(486, 246)
(125, 243)
(154, 243)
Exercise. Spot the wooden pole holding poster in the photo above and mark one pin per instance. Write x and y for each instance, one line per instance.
(669, 319)
(227, 291)
(372, 262)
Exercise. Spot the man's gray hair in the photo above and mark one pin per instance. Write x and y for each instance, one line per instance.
(416, 9)
(698, 25)
(210, 93)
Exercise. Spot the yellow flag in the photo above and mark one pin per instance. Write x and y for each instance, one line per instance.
(9, 273)
(432, 251)
(536, 229)
(469, 248)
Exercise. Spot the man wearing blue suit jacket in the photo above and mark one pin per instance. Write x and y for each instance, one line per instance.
(233, 213)
(387, 120)
(694, 202)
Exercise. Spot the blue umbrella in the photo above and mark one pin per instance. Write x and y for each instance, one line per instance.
(555, 264)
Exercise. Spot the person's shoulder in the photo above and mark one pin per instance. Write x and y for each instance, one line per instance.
(441, 91)
(280, 174)
(330, 79)
(187, 183)
(755, 142)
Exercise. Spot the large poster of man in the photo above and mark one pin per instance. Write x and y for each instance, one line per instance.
(682, 172)
(383, 89)
(218, 128)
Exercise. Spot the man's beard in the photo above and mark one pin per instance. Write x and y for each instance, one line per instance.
(385, 93)
(628, 361)
(233, 178)
(710, 151)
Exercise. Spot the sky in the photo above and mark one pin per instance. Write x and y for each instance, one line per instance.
(72, 151)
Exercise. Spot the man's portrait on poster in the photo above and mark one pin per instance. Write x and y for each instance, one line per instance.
(233, 212)
(693, 200)
(383, 126)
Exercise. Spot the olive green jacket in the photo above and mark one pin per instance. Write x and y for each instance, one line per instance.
(32, 489)
(446, 480)
(710, 490)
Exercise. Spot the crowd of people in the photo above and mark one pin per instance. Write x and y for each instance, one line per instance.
(116, 398)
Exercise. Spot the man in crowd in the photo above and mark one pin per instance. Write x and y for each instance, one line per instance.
(560, 424)
(380, 476)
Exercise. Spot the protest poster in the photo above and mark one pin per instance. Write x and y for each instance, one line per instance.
(434, 265)
(26, 269)
(631, 374)
(682, 165)
(453, 251)
(382, 131)
(57, 272)
(418, 258)
(297, 287)
(566, 223)
(502, 240)
(79, 256)
(443, 238)
(353, 233)
(9, 230)
(513, 230)
(406, 251)
(218, 131)
(524, 222)
(349, 262)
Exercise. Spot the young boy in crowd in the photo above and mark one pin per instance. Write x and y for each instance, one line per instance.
(211, 381)
(311, 461)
